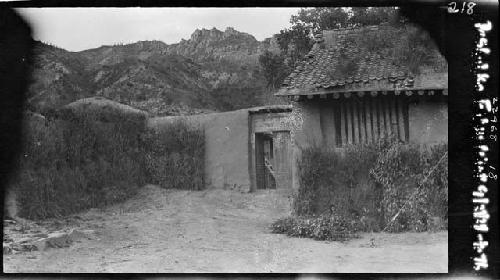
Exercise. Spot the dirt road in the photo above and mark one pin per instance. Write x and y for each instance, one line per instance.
(222, 231)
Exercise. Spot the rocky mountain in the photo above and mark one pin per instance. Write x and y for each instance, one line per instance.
(58, 77)
(212, 71)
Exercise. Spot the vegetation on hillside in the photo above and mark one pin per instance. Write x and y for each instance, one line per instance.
(274, 69)
(214, 71)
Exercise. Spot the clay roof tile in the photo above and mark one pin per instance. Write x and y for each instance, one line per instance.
(315, 70)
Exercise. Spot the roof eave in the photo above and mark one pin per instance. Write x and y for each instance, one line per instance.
(308, 92)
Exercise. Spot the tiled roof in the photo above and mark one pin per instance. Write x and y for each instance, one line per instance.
(321, 70)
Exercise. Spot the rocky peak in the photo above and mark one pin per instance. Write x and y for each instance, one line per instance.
(215, 34)
(204, 34)
(231, 31)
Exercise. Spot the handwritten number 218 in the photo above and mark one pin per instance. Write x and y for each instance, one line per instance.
(452, 8)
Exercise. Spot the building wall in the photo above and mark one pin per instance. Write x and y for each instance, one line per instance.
(309, 131)
(428, 122)
(230, 136)
(226, 147)
(10, 203)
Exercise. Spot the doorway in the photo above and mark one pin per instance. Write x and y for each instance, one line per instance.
(264, 161)
(273, 160)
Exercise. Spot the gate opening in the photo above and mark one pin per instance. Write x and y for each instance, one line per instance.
(264, 160)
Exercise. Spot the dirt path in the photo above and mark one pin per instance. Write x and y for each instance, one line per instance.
(222, 231)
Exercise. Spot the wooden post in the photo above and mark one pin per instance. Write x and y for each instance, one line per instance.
(387, 110)
(356, 121)
(368, 123)
(342, 123)
(374, 106)
(349, 121)
(333, 121)
(401, 120)
(381, 117)
(394, 116)
(362, 121)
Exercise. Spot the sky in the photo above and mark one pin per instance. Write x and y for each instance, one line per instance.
(77, 29)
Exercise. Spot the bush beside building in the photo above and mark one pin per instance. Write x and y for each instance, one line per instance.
(386, 185)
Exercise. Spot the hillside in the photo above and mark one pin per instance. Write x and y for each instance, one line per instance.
(212, 71)
(58, 77)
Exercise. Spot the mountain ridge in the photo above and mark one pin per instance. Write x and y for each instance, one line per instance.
(213, 70)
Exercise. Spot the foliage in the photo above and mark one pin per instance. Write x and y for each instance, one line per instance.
(361, 16)
(318, 19)
(416, 181)
(68, 166)
(81, 163)
(408, 46)
(370, 183)
(322, 227)
(295, 42)
(175, 156)
(275, 70)
(234, 97)
(331, 179)
(309, 21)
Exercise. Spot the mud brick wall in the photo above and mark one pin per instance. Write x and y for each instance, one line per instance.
(226, 146)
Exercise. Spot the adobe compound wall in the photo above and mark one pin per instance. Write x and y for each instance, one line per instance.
(226, 146)
(230, 142)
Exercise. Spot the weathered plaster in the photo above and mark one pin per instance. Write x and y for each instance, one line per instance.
(226, 147)
(428, 122)
(310, 134)
(230, 143)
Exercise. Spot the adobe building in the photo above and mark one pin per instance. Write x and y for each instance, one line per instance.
(379, 97)
(348, 93)
(238, 143)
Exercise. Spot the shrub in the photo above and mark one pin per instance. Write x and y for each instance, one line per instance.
(415, 186)
(315, 172)
(370, 183)
(283, 225)
(71, 165)
(341, 182)
(322, 227)
(175, 156)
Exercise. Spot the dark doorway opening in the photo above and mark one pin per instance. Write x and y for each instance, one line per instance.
(264, 159)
